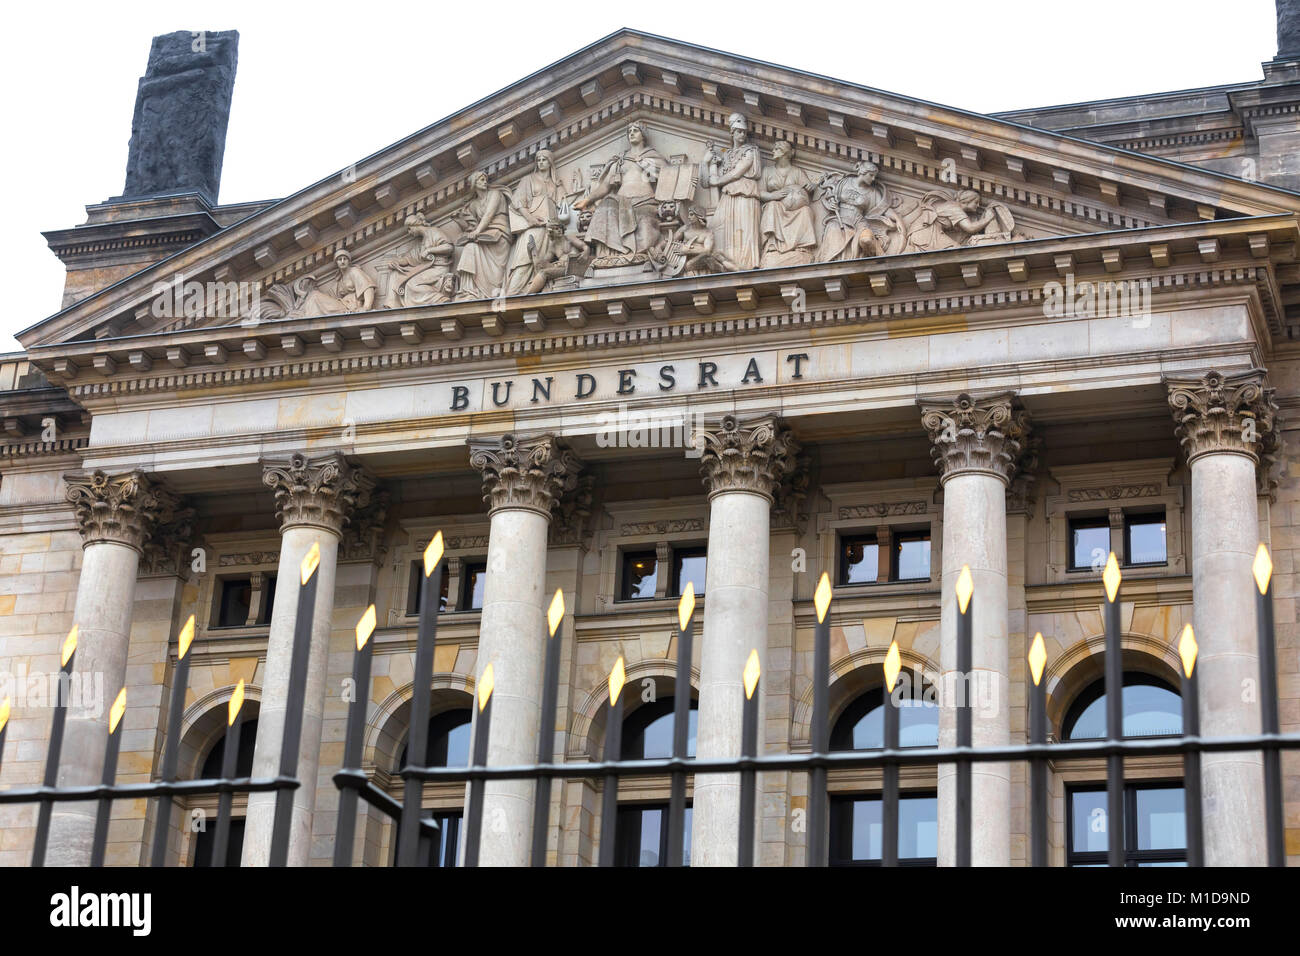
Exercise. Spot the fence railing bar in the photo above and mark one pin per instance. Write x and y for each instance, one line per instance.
(295, 700)
(474, 803)
(221, 837)
(1192, 806)
(546, 727)
(609, 795)
(124, 791)
(1114, 683)
(99, 841)
(889, 787)
(818, 798)
(1037, 768)
(1273, 826)
(965, 613)
(171, 748)
(681, 730)
(408, 850)
(55, 752)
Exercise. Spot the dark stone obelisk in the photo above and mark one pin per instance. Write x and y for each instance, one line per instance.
(1288, 29)
(182, 107)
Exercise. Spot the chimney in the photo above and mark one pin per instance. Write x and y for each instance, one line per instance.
(1288, 30)
(182, 108)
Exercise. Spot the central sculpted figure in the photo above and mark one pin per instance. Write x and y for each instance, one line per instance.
(737, 175)
(624, 221)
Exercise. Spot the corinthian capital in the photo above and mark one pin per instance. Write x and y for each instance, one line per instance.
(969, 435)
(121, 508)
(316, 492)
(1226, 414)
(753, 456)
(527, 473)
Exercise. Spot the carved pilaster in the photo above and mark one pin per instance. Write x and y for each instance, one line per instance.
(316, 492)
(363, 538)
(126, 508)
(1219, 414)
(754, 456)
(573, 511)
(166, 551)
(987, 435)
(528, 473)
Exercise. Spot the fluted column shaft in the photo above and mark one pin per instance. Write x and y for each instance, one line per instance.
(314, 497)
(977, 445)
(743, 465)
(523, 479)
(1227, 427)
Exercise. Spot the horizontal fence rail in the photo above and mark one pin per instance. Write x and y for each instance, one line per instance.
(418, 836)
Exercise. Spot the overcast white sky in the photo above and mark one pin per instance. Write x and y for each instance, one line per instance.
(321, 85)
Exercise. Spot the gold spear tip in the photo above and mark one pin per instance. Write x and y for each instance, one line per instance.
(69, 646)
(686, 606)
(555, 613)
(893, 664)
(965, 588)
(186, 637)
(236, 702)
(1262, 568)
(617, 678)
(116, 711)
(822, 597)
(1111, 577)
(433, 554)
(365, 627)
(310, 562)
(485, 684)
(4, 713)
(1187, 648)
(1037, 658)
(752, 673)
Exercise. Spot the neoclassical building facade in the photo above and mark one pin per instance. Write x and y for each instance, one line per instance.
(655, 316)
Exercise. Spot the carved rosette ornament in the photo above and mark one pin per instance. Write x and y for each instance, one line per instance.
(528, 473)
(316, 492)
(1219, 414)
(987, 435)
(754, 456)
(125, 509)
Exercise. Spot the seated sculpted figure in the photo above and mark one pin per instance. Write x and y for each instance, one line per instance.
(947, 221)
(624, 214)
(862, 216)
(551, 257)
(692, 249)
(354, 290)
(422, 276)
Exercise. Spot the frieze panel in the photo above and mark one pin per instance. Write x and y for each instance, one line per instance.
(1114, 492)
(242, 558)
(665, 526)
(884, 509)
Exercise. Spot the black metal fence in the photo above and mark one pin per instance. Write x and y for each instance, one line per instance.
(417, 835)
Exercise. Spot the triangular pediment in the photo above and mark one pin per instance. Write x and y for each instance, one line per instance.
(937, 179)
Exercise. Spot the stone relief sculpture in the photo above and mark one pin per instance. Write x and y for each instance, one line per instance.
(422, 276)
(624, 222)
(354, 291)
(736, 175)
(537, 199)
(691, 249)
(549, 260)
(862, 216)
(485, 246)
(787, 229)
(947, 220)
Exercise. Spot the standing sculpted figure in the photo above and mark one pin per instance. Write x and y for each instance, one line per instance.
(789, 233)
(537, 199)
(736, 174)
(485, 247)
(624, 218)
(423, 276)
(861, 216)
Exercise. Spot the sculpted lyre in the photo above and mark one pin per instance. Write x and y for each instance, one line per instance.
(624, 221)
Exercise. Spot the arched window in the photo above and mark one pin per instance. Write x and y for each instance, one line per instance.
(210, 769)
(1151, 708)
(447, 746)
(862, 725)
(641, 830)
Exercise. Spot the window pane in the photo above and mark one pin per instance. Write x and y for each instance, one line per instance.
(236, 599)
(859, 561)
(448, 838)
(913, 557)
(867, 828)
(862, 725)
(857, 829)
(918, 827)
(1150, 710)
(658, 737)
(1089, 821)
(1160, 821)
(1146, 540)
(1090, 545)
(690, 569)
(475, 582)
(918, 723)
(640, 575)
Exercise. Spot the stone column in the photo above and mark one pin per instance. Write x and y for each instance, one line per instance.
(977, 444)
(742, 466)
(523, 478)
(314, 498)
(116, 516)
(1227, 426)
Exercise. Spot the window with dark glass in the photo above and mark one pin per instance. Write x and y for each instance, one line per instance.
(862, 725)
(415, 590)
(911, 559)
(648, 731)
(448, 742)
(444, 853)
(1151, 708)
(640, 575)
(235, 602)
(1144, 538)
(203, 839)
(1155, 828)
(210, 769)
(268, 600)
(1089, 543)
(688, 567)
(641, 835)
(473, 580)
(857, 830)
(859, 559)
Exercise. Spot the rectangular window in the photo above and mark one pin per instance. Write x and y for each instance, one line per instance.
(201, 854)
(640, 575)
(641, 835)
(688, 567)
(235, 601)
(473, 580)
(444, 853)
(911, 559)
(1154, 825)
(859, 559)
(268, 599)
(415, 589)
(1089, 543)
(857, 830)
(1144, 538)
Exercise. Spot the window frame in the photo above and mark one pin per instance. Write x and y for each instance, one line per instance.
(1129, 521)
(640, 806)
(1133, 857)
(466, 596)
(837, 800)
(896, 539)
(843, 541)
(678, 554)
(1084, 520)
(625, 557)
(1089, 695)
